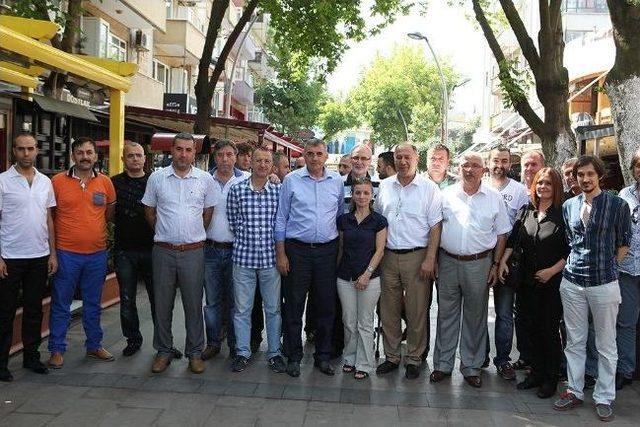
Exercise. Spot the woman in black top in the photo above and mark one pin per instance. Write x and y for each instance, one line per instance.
(539, 228)
(363, 234)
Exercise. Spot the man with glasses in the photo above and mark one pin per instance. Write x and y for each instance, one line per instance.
(411, 203)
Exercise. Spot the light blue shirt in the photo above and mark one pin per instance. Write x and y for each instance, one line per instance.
(308, 207)
(631, 263)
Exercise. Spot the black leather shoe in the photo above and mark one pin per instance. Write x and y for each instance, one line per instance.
(547, 389)
(35, 366)
(293, 369)
(176, 354)
(622, 381)
(5, 375)
(589, 382)
(324, 367)
(386, 367)
(412, 372)
(131, 349)
(528, 383)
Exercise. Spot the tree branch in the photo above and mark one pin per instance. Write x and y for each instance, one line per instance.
(522, 106)
(545, 21)
(555, 13)
(526, 43)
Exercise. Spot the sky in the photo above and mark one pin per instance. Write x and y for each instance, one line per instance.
(451, 34)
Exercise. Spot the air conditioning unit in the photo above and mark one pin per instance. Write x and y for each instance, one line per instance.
(140, 41)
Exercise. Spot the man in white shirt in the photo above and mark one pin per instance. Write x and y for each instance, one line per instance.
(179, 201)
(515, 196)
(474, 231)
(412, 206)
(27, 252)
(218, 262)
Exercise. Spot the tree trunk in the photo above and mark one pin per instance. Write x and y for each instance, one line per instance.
(623, 81)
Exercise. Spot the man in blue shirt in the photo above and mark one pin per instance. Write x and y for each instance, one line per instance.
(306, 238)
(599, 233)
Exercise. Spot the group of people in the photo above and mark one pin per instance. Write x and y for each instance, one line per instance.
(252, 245)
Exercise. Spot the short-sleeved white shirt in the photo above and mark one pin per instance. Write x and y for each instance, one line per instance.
(23, 227)
(179, 203)
(472, 224)
(410, 210)
(515, 196)
(219, 230)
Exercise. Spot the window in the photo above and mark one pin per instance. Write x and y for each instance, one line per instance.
(586, 6)
(117, 48)
(238, 74)
(161, 74)
(103, 40)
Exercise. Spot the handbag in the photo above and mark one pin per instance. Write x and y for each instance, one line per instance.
(515, 275)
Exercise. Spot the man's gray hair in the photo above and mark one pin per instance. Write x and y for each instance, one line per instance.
(314, 142)
(471, 155)
(221, 143)
(534, 151)
(570, 161)
(184, 136)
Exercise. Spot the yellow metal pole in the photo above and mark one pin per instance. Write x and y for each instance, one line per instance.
(116, 131)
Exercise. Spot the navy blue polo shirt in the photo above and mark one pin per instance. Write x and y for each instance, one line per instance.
(358, 243)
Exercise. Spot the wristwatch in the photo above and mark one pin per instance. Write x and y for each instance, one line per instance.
(370, 269)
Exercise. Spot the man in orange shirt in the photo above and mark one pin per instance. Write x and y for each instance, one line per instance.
(85, 203)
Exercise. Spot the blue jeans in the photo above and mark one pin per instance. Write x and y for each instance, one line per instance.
(130, 266)
(503, 297)
(218, 289)
(244, 288)
(88, 272)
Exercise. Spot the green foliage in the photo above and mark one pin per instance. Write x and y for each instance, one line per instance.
(514, 82)
(292, 100)
(404, 82)
(321, 28)
(336, 116)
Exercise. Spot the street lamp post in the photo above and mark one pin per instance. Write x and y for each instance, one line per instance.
(445, 98)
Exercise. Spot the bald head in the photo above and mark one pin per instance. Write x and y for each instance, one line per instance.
(133, 158)
(360, 160)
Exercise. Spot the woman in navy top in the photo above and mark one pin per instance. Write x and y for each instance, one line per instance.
(363, 234)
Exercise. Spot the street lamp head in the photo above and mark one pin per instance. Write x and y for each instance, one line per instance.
(416, 36)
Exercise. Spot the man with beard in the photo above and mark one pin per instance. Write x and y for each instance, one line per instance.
(345, 165)
(514, 195)
(85, 203)
(28, 253)
(385, 166)
(598, 230)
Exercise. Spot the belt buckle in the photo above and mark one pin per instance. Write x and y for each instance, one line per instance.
(181, 248)
(312, 245)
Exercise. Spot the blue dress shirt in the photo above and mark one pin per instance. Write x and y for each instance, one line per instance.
(308, 207)
(631, 263)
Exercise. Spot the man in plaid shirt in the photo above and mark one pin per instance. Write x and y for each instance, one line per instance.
(251, 210)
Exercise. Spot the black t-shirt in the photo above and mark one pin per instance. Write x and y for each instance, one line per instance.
(132, 232)
(358, 244)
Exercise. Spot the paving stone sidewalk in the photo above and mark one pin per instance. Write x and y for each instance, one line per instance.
(125, 393)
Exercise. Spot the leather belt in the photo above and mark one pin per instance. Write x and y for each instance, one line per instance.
(310, 245)
(219, 245)
(406, 251)
(182, 247)
(473, 257)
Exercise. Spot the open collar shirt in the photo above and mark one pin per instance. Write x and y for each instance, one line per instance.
(411, 210)
(592, 261)
(252, 214)
(219, 230)
(24, 232)
(472, 223)
(309, 207)
(179, 203)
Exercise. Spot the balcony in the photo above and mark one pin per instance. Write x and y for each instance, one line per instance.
(145, 92)
(182, 39)
(258, 65)
(242, 92)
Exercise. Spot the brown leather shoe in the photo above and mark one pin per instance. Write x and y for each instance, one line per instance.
(210, 351)
(474, 381)
(160, 364)
(55, 361)
(437, 376)
(196, 365)
(101, 354)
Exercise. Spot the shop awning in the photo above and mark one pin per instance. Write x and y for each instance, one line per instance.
(61, 107)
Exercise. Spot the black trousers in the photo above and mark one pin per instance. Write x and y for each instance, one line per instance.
(30, 277)
(311, 270)
(523, 322)
(543, 303)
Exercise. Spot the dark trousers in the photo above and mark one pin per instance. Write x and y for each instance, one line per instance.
(131, 266)
(310, 270)
(30, 276)
(546, 307)
(523, 322)
(257, 318)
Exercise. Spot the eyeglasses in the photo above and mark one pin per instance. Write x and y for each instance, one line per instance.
(361, 159)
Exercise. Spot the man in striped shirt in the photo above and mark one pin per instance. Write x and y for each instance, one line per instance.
(251, 211)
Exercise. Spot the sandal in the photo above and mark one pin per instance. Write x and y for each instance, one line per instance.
(360, 375)
(348, 368)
